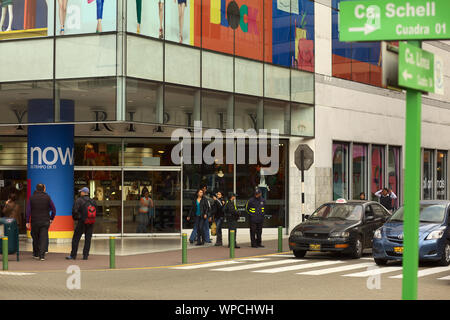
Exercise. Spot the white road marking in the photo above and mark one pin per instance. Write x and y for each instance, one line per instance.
(6, 273)
(337, 269)
(299, 267)
(281, 256)
(257, 265)
(373, 272)
(426, 272)
(445, 278)
(253, 259)
(206, 265)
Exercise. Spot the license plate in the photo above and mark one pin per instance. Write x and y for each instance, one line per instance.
(314, 247)
(398, 250)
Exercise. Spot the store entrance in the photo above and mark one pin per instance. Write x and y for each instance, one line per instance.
(164, 213)
(13, 183)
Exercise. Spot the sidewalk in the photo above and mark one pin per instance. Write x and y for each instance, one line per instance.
(57, 261)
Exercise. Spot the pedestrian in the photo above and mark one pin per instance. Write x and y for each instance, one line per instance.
(362, 196)
(145, 211)
(199, 212)
(386, 196)
(38, 218)
(84, 211)
(255, 209)
(232, 215)
(12, 210)
(218, 216)
(210, 202)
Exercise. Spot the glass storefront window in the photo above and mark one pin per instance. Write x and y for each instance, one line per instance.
(302, 120)
(359, 173)
(394, 169)
(277, 116)
(340, 170)
(144, 101)
(103, 153)
(217, 110)
(428, 174)
(248, 113)
(106, 189)
(377, 169)
(14, 182)
(145, 152)
(182, 106)
(441, 175)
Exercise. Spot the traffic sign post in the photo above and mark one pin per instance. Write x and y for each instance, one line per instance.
(377, 20)
(415, 68)
(303, 159)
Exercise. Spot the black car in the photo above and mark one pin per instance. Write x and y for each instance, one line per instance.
(341, 226)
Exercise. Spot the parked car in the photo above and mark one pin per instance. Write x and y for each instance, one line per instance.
(434, 235)
(341, 226)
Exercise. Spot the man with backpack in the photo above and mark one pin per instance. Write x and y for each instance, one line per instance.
(84, 211)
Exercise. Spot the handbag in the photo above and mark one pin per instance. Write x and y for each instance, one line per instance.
(213, 229)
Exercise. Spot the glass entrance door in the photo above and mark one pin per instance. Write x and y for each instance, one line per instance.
(160, 214)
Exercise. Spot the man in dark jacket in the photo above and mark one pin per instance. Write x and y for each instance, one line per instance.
(38, 218)
(217, 214)
(79, 214)
(255, 209)
(232, 216)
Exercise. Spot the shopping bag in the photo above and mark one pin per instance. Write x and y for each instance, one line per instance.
(213, 229)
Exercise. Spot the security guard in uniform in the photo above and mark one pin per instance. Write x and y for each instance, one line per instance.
(255, 209)
(232, 216)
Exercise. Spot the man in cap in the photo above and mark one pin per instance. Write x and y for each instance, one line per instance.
(255, 209)
(82, 208)
(232, 216)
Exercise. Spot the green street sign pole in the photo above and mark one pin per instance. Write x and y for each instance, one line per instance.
(412, 191)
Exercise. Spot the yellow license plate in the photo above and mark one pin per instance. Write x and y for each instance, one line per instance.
(398, 249)
(314, 247)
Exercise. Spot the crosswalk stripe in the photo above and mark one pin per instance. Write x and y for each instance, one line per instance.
(206, 265)
(257, 265)
(373, 272)
(299, 267)
(6, 273)
(253, 259)
(445, 278)
(337, 269)
(426, 272)
(281, 256)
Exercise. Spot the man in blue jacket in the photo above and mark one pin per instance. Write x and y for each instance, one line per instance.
(255, 209)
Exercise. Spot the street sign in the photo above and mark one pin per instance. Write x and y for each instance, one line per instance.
(415, 68)
(308, 157)
(376, 20)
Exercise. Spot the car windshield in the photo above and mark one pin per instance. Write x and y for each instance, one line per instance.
(432, 213)
(337, 211)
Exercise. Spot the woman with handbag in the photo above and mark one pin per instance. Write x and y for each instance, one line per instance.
(199, 212)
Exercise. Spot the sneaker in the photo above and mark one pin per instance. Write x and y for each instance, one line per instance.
(237, 247)
(70, 258)
(260, 246)
(218, 244)
(85, 258)
(36, 257)
(42, 259)
(254, 246)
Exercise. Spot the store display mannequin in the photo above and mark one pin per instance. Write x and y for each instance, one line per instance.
(9, 4)
(220, 181)
(262, 184)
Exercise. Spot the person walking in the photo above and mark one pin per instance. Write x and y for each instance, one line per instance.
(210, 202)
(199, 212)
(84, 211)
(38, 219)
(218, 216)
(386, 196)
(255, 209)
(232, 215)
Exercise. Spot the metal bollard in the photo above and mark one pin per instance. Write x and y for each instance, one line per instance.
(232, 242)
(5, 252)
(112, 252)
(184, 249)
(280, 239)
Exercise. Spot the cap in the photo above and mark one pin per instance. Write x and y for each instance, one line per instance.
(231, 194)
(86, 190)
(258, 191)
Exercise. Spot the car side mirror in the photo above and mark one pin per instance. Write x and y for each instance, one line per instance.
(307, 216)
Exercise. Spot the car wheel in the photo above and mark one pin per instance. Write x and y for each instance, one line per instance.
(445, 260)
(380, 262)
(358, 248)
(299, 253)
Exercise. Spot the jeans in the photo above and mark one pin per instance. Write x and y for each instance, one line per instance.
(206, 231)
(219, 223)
(39, 232)
(199, 227)
(81, 228)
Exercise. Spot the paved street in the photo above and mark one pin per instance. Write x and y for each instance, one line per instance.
(267, 276)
